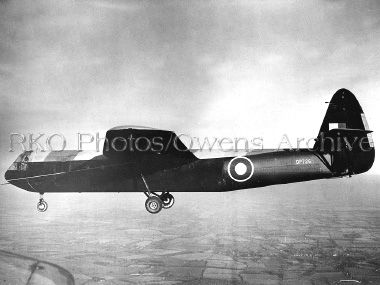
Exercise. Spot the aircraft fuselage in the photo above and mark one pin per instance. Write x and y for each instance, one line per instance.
(62, 172)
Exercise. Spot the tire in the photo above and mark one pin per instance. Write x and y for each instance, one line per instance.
(153, 204)
(42, 206)
(167, 200)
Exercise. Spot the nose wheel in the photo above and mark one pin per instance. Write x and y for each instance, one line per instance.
(42, 206)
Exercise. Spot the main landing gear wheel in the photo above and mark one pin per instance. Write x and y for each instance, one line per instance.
(167, 200)
(153, 204)
(42, 206)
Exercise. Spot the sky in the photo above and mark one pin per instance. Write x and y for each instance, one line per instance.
(203, 68)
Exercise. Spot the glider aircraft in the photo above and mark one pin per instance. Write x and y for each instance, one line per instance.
(343, 147)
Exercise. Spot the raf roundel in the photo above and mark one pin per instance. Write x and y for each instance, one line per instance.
(240, 168)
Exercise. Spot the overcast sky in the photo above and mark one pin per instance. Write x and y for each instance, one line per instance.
(216, 68)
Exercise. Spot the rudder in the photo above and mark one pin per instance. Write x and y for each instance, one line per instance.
(345, 129)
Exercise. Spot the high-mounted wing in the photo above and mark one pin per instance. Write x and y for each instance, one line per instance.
(146, 147)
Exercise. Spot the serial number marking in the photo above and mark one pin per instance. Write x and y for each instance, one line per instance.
(303, 161)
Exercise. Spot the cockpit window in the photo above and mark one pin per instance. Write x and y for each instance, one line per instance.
(21, 162)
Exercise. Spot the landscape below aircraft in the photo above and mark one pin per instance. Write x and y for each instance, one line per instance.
(343, 147)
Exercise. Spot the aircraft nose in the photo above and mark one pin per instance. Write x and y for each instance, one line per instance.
(7, 175)
(11, 174)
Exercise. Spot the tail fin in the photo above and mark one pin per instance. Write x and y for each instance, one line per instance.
(345, 128)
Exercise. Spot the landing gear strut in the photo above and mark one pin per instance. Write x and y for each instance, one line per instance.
(155, 202)
(42, 206)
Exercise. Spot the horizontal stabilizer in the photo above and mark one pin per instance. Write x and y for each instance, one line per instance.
(348, 132)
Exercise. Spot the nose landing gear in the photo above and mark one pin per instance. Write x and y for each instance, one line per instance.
(42, 206)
